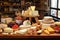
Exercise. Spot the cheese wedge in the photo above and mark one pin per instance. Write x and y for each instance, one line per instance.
(51, 30)
(46, 31)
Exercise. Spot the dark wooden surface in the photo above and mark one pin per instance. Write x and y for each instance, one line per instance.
(31, 36)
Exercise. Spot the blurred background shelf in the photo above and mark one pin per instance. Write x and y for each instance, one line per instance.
(14, 5)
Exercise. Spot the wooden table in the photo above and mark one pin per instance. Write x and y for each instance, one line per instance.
(31, 36)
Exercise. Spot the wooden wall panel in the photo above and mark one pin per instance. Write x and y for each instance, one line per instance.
(42, 6)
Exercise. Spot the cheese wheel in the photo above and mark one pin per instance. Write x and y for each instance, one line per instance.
(48, 18)
(8, 30)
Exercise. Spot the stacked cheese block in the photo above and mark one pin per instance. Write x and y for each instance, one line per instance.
(46, 25)
(30, 12)
(48, 20)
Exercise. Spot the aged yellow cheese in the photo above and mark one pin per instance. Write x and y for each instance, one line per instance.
(51, 30)
(46, 31)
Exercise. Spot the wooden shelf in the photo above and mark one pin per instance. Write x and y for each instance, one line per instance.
(10, 5)
(41, 5)
(7, 12)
